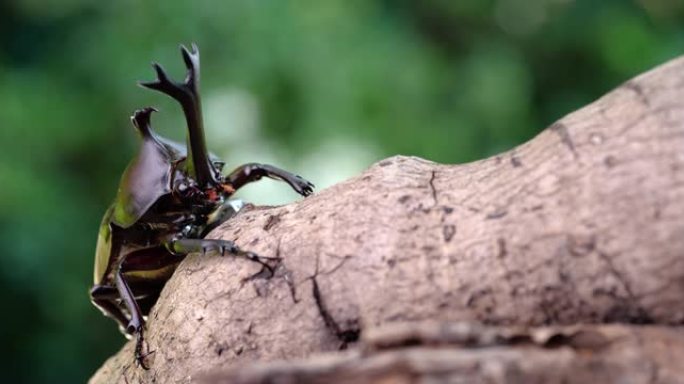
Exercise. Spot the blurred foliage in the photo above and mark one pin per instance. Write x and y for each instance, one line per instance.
(321, 87)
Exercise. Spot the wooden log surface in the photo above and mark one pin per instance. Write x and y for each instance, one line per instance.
(584, 224)
(468, 353)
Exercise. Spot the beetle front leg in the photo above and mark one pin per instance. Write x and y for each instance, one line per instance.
(136, 324)
(250, 172)
(184, 246)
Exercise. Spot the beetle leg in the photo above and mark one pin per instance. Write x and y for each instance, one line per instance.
(224, 212)
(135, 325)
(104, 296)
(250, 172)
(221, 246)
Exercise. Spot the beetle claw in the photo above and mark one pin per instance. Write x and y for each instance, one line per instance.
(302, 186)
(269, 263)
(140, 361)
(139, 355)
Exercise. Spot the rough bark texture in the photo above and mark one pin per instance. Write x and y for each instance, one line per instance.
(466, 353)
(582, 224)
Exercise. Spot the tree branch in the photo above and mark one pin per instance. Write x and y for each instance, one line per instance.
(467, 353)
(583, 224)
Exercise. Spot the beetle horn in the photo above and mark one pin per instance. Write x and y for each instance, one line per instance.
(187, 94)
(141, 120)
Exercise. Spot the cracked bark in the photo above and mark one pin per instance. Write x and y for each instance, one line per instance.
(583, 225)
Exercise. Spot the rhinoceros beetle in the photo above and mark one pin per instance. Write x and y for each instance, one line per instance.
(170, 196)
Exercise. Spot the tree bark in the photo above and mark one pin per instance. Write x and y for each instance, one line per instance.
(467, 353)
(583, 225)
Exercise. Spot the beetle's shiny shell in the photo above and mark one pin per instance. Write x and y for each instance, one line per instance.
(103, 250)
(144, 181)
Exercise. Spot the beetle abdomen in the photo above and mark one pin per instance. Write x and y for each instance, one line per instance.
(151, 265)
(103, 250)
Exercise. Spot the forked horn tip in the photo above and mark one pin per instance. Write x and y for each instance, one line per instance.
(161, 73)
(148, 84)
(193, 51)
(190, 56)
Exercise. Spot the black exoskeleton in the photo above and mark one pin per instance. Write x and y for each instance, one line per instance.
(170, 196)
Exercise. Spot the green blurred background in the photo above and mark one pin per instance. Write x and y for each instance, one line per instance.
(323, 88)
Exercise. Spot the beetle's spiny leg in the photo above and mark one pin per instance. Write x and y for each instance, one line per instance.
(136, 324)
(104, 297)
(136, 321)
(250, 172)
(224, 212)
(230, 248)
(139, 355)
(183, 246)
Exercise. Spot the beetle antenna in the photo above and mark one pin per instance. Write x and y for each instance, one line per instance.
(187, 94)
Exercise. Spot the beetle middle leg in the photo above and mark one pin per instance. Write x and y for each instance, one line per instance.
(220, 246)
(227, 210)
(250, 172)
